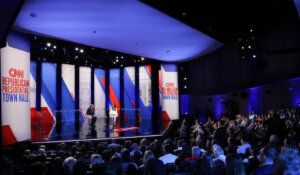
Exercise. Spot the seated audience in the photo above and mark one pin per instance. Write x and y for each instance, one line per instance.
(234, 165)
(266, 158)
(168, 157)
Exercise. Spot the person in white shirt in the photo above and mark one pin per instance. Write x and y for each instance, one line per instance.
(220, 158)
(113, 113)
(168, 157)
(243, 148)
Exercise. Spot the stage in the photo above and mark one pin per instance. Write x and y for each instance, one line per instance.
(104, 128)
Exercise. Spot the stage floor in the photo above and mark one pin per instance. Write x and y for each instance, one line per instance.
(103, 128)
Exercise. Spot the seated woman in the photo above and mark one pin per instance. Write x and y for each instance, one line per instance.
(113, 113)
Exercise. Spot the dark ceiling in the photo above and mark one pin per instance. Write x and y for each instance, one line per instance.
(225, 20)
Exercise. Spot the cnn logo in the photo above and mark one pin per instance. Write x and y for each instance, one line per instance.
(16, 73)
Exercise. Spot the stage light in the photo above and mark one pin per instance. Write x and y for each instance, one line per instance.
(242, 47)
(183, 14)
(76, 48)
(54, 47)
(121, 65)
(117, 60)
(85, 61)
(185, 86)
(184, 78)
(48, 44)
(51, 50)
(114, 62)
(253, 56)
(45, 48)
(76, 57)
(122, 57)
(81, 50)
(142, 58)
(251, 30)
(249, 47)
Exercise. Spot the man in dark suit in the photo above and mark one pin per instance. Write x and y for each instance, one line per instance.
(91, 111)
(266, 157)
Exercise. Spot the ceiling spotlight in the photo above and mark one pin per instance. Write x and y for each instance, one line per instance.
(48, 44)
(249, 47)
(117, 57)
(93, 48)
(243, 57)
(106, 51)
(45, 48)
(254, 56)
(185, 86)
(122, 57)
(251, 30)
(91, 65)
(114, 62)
(76, 57)
(117, 60)
(81, 50)
(51, 50)
(35, 37)
(86, 61)
(242, 47)
(183, 14)
(121, 65)
(44, 59)
(240, 39)
(76, 48)
(100, 66)
(142, 58)
(184, 78)
(54, 47)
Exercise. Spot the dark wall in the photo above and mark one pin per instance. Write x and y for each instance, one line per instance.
(261, 98)
(278, 58)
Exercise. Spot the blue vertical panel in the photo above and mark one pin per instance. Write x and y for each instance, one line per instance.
(114, 88)
(99, 92)
(129, 92)
(68, 101)
(48, 86)
(129, 100)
